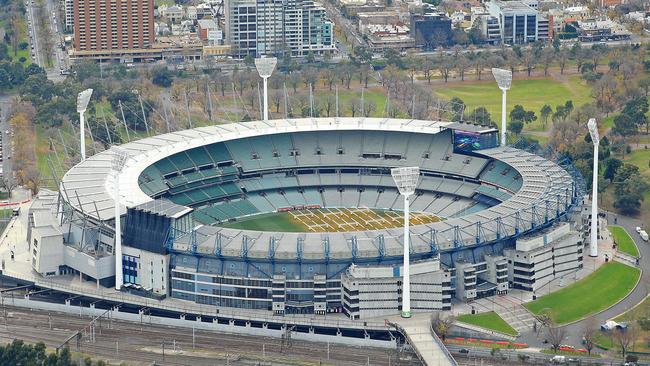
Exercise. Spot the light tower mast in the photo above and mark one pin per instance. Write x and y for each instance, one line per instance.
(595, 139)
(504, 81)
(120, 156)
(265, 67)
(406, 179)
(82, 103)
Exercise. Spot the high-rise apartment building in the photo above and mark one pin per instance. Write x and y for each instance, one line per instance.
(113, 24)
(274, 27)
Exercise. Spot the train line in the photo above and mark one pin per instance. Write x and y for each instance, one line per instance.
(142, 343)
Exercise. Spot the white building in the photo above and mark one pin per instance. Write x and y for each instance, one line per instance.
(275, 27)
(519, 23)
(376, 290)
(535, 261)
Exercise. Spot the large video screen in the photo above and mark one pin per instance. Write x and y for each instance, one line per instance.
(470, 141)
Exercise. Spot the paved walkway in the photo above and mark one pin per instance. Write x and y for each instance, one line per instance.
(428, 346)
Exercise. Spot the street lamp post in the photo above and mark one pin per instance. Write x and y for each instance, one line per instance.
(595, 139)
(406, 179)
(265, 66)
(504, 81)
(82, 103)
(120, 157)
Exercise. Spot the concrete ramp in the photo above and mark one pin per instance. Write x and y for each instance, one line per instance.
(427, 345)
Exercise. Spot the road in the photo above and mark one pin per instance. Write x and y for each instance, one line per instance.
(140, 344)
(58, 57)
(7, 167)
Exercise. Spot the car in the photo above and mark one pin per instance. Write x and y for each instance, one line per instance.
(557, 359)
(638, 229)
(463, 351)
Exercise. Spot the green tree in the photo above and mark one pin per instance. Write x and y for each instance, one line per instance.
(518, 113)
(516, 127)
(481, 116)
(628, 194)
(611, 166)
(545, 112)
(624, 126)
(162, 77)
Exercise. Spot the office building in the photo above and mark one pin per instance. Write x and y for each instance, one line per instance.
(274, 27)
(113, 25)
(431, 29)
(519, 22)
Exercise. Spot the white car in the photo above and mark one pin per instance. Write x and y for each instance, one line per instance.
(558, 359)
(638, 229)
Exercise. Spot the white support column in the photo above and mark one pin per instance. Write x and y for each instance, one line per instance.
(406, 275)
(503, 118)
(82, 134)
(593, 243)
(266, 99)
(595, 139)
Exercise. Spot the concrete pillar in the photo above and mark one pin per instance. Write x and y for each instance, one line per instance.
(231, 322)
(92, 305)
(198, 318)
(248, 324)
(265, 326)
(67, 302)
(182, 316)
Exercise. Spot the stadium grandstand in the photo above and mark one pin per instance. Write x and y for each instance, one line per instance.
(298, 215)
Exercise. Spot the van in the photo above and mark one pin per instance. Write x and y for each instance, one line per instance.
(644, 235)
(557, 359)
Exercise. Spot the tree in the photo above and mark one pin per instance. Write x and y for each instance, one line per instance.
(354, 105)
(442, 324)
(162, 77)
(545, 112)
(625, 337)
(555, 336)
(518, 113)
(611, 166)
(628, 193)
(624, 126)
(589, 335)
(8, 184)
(480, 116)
(516, 127)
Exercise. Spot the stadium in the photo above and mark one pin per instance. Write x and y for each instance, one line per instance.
(301, 216)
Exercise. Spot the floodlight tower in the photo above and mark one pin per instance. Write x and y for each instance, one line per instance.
(504, 81)
(595, 139)
(406, 179)
(82, 103)
(120, 157)
(265, 66)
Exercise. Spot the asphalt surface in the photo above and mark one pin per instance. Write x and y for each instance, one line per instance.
(142, 344)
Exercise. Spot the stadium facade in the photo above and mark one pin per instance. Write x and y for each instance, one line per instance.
(507, 216)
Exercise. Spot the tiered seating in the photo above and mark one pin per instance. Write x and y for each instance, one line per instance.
(224, 211)
(493, 192)
(501, 174)
(312, 196)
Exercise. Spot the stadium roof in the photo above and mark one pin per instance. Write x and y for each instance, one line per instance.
(546, 191)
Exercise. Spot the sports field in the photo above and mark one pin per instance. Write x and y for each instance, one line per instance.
(329, 220)
(623, 240)
(603, 288)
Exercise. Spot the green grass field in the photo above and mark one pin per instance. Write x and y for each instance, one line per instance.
(275, 221)
(624, 241)
(489, 320)
(545, 91)
(598, 291)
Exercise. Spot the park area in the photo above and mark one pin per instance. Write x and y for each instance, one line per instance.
(489, 320)
(546, 91)
(598, 291)
(328, 220)
(623, 240)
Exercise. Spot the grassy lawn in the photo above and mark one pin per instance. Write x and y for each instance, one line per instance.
(546, 91)
(280, 221)
(640, 158)
(489, 320)
(596, 292)
(624, 240)
(370, 96)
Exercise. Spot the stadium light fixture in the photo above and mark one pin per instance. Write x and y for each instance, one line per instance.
(504, 81)
(406, 179)
(120, 156)
(265, 67)
(595, 139)
(83, 98)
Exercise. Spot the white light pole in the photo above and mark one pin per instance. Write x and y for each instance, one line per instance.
(82, 103)
(504, 80)
(265, 66)
(595, 139)
(406, 179)
(120, 157)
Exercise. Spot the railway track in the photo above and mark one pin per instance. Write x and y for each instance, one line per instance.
(143, 343)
